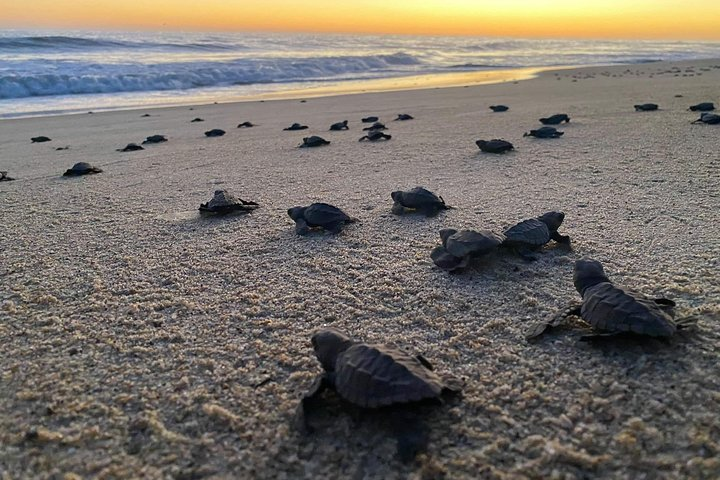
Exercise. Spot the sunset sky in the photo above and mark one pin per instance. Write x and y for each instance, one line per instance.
(668, 19)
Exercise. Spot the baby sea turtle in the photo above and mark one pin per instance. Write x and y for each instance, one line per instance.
(708, 119)
(494, 146)
(319, 215)
(296, 126)
(375, 126)
(499, 108)
(404, 116)
(246, 125)
(144, 115)
(4, 177)
(459, 247)
(544, 132)
(340, 126)
(375, 135)
(369, 119)
(155, 139)
(215, 132)
(614, 310)
(373, 376)
(533, 233)
(556, 119)
(224, 202)
(81, 168)
(66, 147)
(703, 107)
(418, 199)
(130, 147)
(646, 107)
(40, 139)
(313, 141)
(197, 119)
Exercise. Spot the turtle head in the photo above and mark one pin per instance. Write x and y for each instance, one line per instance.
(328, 344)
(296, 213)
(553, 220)
(446, 233)
(396, 196)
(587, 273)
(481, 143)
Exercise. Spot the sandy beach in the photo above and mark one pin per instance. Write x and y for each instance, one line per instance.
(139, 340)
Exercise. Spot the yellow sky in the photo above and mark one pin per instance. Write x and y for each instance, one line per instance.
(671, 19)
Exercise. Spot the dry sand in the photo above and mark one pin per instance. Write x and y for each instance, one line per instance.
(139, 340)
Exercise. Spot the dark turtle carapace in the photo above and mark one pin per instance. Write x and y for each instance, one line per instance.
(224, 202)
(40, 139)
(319, 216)
(375, 135)
(646, 107)
(339, 126)
(613, 310)
(459, 247)
(375, 126)
(155, 139)
(708, 119)
(419, 200)
(215, 132)
(499, 108)
(81, 168)
(197, 119)
(369, 119)
(494, 146)
(295, 126)
(404, 116)
(702, 107)
(131, 147)
(246, 125)
(5, 178)
(314, 141)
(544, 132)
(556, 119)
(531, 234)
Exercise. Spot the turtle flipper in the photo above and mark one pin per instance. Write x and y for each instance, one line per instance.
(425, 362)
(309, 403)
(398, 209)
(540, 327)
(563, 239)
(301, 227)
(686, 322)
(411, 434)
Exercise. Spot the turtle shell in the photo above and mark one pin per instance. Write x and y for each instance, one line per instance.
(313, 141)
(155, 139)
(528, 232)
(545, 132)
(215, 132)
(703, 107)
(322, 214)
(470, 242)
(614, 309)
(556, 119)
(494, 146)
(225, 202)
(81, 168)
(372, 376)
(418, 197)
(40, 139)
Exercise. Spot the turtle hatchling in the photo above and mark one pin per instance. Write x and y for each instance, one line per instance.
(319, 215)
(246, 125)
(296, 126)
(4, 177)
(130, 147)
(533, 233)
(155, 139)
(340, 126)
(215, 132)
(459, 247)
(40, 139)
(403, 117)
(544, 132)
(556, 119)
(375, 126)
(646, 107)
(708, 119)
(613, 310)
(197, 119)
(494, 146)
(703, 107)
(373, 376)
(369, 119)
(81, 168)
(313, 141)
(418, 200)
(375, 135)
(224, 202)
(499, 108)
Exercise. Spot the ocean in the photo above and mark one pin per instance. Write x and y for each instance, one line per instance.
(44, 73)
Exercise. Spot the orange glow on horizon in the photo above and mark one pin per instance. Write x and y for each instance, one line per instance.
(661, 19)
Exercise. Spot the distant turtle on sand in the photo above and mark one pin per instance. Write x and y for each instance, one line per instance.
(224, 202)
(340, 126)
(375, 135)
(155, 139)
(375, 126)
(646, 107)
(372, 376)
(419, 200)
(4, 177)
(246, 125)
(369, 119)
(81, 168)
(403, 117)
(703, 107)
(319, 215)
(614, 310)
(145, 115)
(544, 132)
(215, 132)
(295, 126)
(494, 146)
(197, 119)
(499, 108)
(708, 119)
(556, 119)
(40, 139)
(313, 141)
(130, 147)
(459, 247)
(531, 234)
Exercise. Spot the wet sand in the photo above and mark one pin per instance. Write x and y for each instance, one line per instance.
(142, 341)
